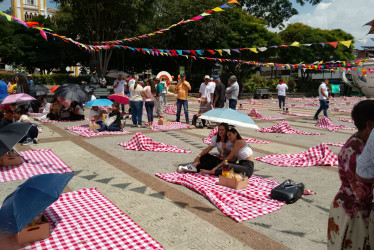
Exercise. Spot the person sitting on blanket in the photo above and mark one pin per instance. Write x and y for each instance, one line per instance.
(241, 152)
(208, 161)
(113, 122)
(76, 111)
(32, 134)
(55, 110)
(204, 107)
(96, 116)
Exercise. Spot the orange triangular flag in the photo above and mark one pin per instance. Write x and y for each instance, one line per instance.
(233, 1)
(333, 44)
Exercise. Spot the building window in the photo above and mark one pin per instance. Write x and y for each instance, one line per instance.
(31, 2)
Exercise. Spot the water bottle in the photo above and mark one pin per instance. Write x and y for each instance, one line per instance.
(226, 169)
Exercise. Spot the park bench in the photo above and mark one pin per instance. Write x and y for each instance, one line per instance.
(262, 94)
(102, 92)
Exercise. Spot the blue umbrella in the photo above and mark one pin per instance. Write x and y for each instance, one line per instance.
(99, 102)
(230, 116)
(30, 199)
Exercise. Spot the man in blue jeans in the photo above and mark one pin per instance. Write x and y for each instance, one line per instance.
(323, 99)
(182, 95)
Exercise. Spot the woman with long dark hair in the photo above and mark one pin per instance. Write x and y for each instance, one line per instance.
(241, 152)
(22, 85)
(136, 104)
(149, 93)
(208, 161)
(350, 210)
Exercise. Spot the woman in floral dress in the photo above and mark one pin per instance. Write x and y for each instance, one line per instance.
(350, 210)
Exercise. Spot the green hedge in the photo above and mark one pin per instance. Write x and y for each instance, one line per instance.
(259, 82)
(55, 79)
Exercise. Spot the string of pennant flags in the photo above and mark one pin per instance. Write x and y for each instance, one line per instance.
(196, 18)
(350, 66)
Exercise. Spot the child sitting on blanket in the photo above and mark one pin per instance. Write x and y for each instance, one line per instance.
(204, 107)
(96, 117)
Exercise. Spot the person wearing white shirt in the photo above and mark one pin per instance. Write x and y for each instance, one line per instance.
(206, 89)
(323, 99)
(119, 88)
(282, 88)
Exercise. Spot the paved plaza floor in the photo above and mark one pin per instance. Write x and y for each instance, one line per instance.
(179, 218)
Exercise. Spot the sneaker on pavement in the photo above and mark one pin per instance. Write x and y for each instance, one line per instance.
(35, 141)
(315, 118)
(123, 125)
(188, 168)
(28, 141)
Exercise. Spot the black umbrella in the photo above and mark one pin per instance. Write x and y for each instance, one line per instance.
(39, 90)
(72, 92)
(11, 134)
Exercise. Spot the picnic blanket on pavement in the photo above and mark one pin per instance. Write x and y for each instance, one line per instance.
(86, 219)
(214, 132)
(326, 123)
(239, 205)
(140, 142)
(346, 120)
(319, 155)
(284, 128)
(296, 114)
(54, 121)
(172, 126)
(43, 161)
(255, 114)
(170, 109)
(84, 130)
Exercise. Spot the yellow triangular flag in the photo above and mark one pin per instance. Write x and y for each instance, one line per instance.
(295, 44)
(217, 9)
(219, 51)
(253, 50)
(346, 43)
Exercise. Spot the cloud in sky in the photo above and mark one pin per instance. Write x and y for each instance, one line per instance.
(348, 15)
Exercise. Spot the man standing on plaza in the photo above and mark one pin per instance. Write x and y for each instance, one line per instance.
(182, 95)
(158, 86)
(232, 92)
(323, 99)
(282, 88)
(206, 89)
(219, 92)
(119, 88)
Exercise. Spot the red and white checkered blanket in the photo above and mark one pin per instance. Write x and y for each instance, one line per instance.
(86, 219)
(346, 120)
(170, 109)
(284, 128)
(214, 132)
(172, 126)
(53, 121)
(340, 110)
(239, 205)
(255, 114)
(84, 130)
(325, 123)
(140, 142)
(296, 114)
(319, 155)
(40, 162)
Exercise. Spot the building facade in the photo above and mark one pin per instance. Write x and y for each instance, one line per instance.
(27, 9)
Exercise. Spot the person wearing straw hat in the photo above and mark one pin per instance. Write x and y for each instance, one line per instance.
(206, 89)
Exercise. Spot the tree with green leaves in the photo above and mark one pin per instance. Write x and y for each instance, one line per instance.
(276, 12)
(305, 34)
(89, 21)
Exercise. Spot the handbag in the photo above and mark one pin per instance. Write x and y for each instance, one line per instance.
(108, 121)
(288, 191)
